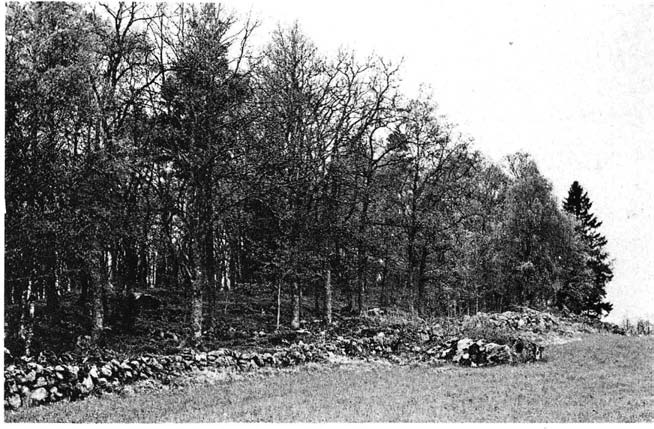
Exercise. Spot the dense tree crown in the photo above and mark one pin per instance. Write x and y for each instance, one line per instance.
(150, 146)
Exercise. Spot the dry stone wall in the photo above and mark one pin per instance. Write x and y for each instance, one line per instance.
(480, 340)
(31, 382)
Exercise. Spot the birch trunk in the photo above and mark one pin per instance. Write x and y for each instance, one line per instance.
(197, 283)
(295, 322)
(328, 295)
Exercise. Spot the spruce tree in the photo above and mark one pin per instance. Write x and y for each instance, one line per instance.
(578, 204)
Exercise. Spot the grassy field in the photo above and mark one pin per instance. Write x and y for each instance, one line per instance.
(599, 379)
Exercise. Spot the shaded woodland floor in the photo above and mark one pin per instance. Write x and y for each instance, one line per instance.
(241, 315)
(602, 378)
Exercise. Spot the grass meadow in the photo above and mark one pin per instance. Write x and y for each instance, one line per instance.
(602, 378)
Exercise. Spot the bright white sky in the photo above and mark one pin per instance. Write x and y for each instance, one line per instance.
(572, 83)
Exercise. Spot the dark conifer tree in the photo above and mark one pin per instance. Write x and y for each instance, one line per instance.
(578, 204)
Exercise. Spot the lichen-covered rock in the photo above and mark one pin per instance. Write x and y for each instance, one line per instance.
(87, 383)
(106, 371)
(55, 394)
(93, 372)
(41, 382)
(29, 378)
(13, 401)
(497, 354)
(38, 396)
(527, 351)
(462, 356)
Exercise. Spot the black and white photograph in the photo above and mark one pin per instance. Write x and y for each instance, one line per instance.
(285, 211)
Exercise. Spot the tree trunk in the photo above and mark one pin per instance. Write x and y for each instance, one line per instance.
(279, 304)
(99, 279)
(420, 292)
(113, 271)
(316, 299)
(362, 257)
(85, 286)
(142, 271)
(328, 295)
(410, 283)
(213, 302)
(383, 299)
(197, 284)
(295, 322)
(361, 296)
(210, 273)
(361, 279)
(26, 323)
(207, 227)
(130, 267)
(51, 289)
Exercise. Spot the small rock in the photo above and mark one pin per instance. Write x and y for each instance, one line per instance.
(498, 354)
(93, 372)
(106, 371)
(11, 386)
(463, 344)
(88, 383)
(154, 363)
(14, 401)
(39, 395)
(29, 378)
(41, 382)
(54, 393)
(258, 360)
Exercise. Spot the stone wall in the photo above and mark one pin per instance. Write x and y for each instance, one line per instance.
(31, 382)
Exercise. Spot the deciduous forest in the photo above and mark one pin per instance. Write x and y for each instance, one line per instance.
(153, 149)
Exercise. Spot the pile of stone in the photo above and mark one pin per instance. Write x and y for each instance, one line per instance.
(592, 325)
(527, 320)
(461, 351)
(537, 322)
(30, 382)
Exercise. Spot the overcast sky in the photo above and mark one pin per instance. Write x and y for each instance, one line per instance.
(572, 83)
